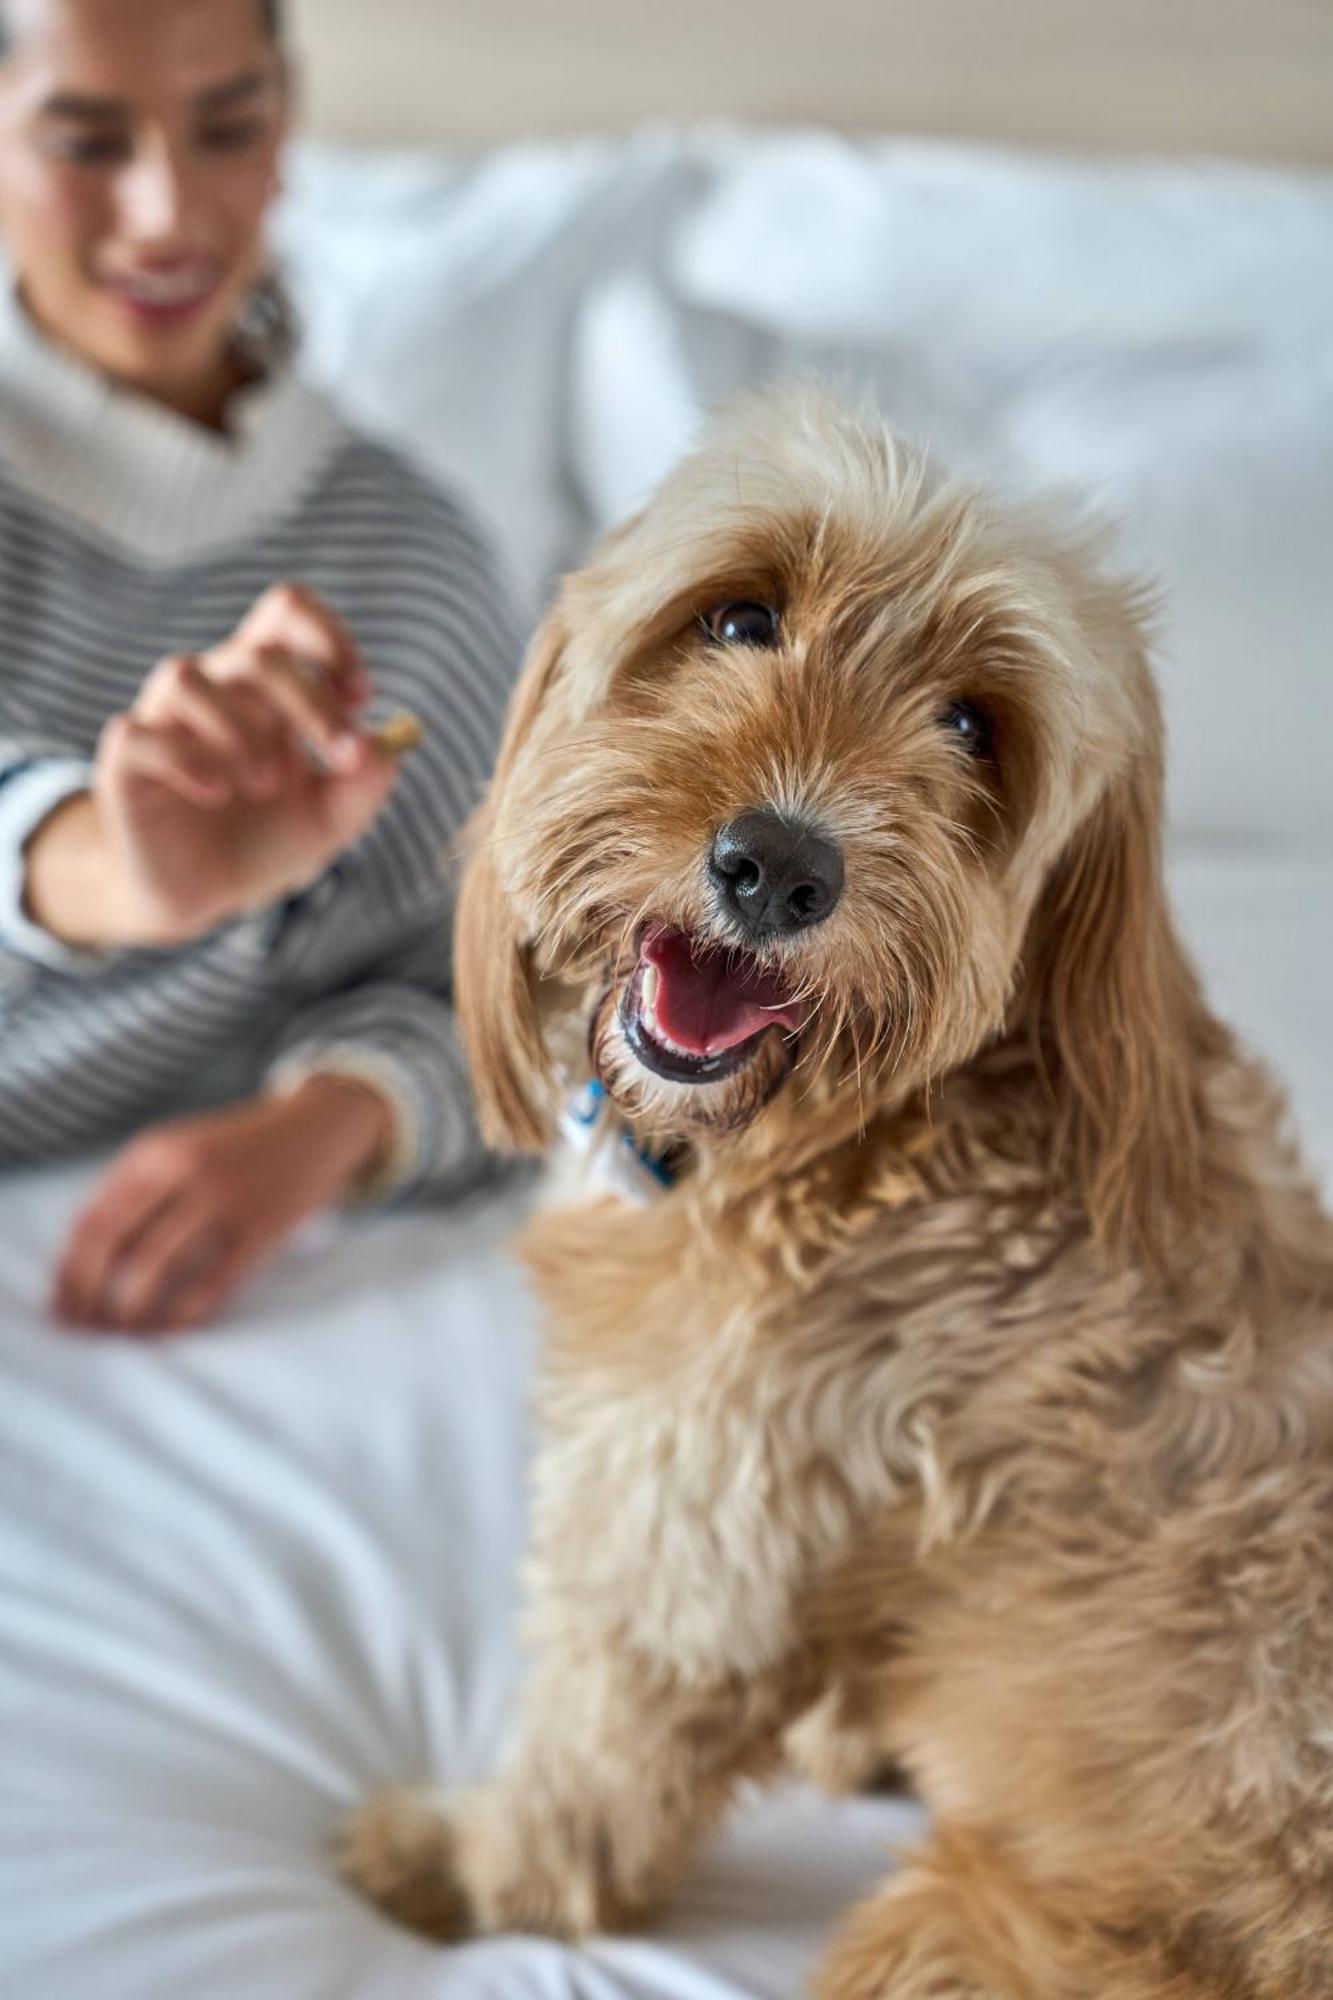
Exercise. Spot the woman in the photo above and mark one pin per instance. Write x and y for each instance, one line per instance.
(213, 891)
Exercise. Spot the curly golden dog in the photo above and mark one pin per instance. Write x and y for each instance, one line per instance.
(970, 1388)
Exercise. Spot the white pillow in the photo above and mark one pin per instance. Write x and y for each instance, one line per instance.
(1221, 473)
(437, 298)
(1158, 338)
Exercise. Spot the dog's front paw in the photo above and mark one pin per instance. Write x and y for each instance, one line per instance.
(398, 1849)
(841, 1752)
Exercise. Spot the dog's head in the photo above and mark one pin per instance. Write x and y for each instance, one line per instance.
(818, 777)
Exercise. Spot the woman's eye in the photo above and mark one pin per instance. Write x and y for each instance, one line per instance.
(232, 138)
(743, 624)
(971, 727)
(91, 150)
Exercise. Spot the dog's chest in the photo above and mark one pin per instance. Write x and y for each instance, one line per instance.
(692, 1474)
(724, 1425)
(672, 1516)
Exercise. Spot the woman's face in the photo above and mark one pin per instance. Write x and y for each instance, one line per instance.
(139, 149)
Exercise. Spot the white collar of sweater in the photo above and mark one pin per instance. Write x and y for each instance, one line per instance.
(139, 477)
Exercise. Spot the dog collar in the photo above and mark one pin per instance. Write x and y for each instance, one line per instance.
(614, 1158)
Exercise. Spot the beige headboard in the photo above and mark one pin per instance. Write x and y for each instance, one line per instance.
(1252, 78)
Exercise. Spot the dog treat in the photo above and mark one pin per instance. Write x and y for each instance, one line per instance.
(397, 734)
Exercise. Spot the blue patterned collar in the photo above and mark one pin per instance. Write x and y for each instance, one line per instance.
(617, 1160)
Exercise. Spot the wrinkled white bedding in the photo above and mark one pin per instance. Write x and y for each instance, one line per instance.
(246, 1576)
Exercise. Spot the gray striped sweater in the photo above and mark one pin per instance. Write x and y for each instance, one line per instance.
(126, 534)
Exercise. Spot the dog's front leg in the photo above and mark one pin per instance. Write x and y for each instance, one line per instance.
(618, 1768)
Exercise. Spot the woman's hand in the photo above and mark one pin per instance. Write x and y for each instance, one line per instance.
(234, 780)
(189, 1210)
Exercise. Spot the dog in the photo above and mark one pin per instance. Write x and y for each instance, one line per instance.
(968, 1383)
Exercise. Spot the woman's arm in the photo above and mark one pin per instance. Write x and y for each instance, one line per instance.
(361, 986)
(366, 1099)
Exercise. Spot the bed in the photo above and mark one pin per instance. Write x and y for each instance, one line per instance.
(247, 1576)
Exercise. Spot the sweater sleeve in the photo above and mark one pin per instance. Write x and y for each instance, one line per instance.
(395, 1030)
(34, 779)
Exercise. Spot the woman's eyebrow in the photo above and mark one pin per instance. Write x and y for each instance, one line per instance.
(88, 110)
(237, 91)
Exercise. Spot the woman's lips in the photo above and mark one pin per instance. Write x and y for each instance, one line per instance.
(166, 295)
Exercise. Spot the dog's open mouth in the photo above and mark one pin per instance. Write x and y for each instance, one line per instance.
(695, 1012)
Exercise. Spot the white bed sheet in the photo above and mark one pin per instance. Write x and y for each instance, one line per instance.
(244, 1578)
(247, 1576)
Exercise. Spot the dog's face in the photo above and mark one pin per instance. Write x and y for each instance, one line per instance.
(791, 766)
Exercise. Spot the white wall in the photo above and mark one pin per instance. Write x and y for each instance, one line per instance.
(1246, 77)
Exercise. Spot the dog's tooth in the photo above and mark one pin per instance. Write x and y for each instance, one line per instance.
(648, 996)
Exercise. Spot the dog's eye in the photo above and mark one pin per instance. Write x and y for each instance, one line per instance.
(971, 726)
(745, 624)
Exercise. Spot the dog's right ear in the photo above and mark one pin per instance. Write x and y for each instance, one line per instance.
(494, 985)
(1125, 1029)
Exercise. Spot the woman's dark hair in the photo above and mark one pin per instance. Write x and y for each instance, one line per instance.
(270, 12)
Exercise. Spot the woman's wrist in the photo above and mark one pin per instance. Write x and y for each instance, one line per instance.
(351, 1121)
(71, 885)
(78, 888)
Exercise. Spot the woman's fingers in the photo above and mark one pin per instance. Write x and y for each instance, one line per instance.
(300, 694)
(243, 731)
(200, 1299)
(350, 802)
(167, 753)
(178, 690)
(178, 1249)
(301, 624)
(253, 713)
(243, 719)
(190, 1210)
(129, 1197)
(146, 1253)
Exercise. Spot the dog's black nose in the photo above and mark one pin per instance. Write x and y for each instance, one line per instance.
(772, 875)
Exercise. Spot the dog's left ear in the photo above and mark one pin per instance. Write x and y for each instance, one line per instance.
(494, 986)
(1122, 1024)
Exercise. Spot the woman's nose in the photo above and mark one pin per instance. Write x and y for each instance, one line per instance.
(153, 194)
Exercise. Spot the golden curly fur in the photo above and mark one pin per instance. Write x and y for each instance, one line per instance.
(972, 1388)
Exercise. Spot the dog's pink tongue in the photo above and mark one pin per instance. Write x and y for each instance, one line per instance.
(708, 1001)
